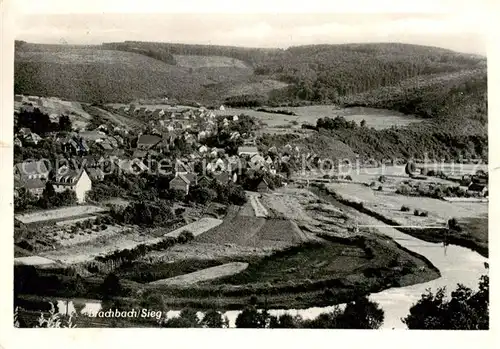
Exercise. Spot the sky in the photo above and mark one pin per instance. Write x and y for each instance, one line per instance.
(460, 30)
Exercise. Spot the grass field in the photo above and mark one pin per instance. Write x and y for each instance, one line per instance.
(203, 275)
(376, 118)
(58, 214)
(209, 62)
(472, 216)
(199, 227)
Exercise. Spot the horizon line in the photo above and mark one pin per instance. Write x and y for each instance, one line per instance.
(253, 47)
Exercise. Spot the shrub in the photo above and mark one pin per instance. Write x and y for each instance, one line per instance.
(348, 178)
(382, 179)
(416, 213)
(405, 208)
(453, 224)
(424, 214)
(103, 226)
(379, 188)
(403, 190)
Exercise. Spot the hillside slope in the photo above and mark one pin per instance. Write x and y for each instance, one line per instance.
(426, 81)
(94, 74)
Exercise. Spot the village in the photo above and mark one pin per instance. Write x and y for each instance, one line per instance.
(180, 199)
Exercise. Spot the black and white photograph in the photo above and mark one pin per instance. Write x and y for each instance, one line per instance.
(250, 170)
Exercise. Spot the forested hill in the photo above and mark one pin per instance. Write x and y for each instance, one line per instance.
(327, 72)
(427, 81)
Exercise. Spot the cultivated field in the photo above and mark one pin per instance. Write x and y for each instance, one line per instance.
(259, 209)
(52, 105)
(252, 88)
(34, 260)
(389, 203)
(203, 275)
(67, 238)
(59, 214)
(198, 227)
(209, 62)
(125, 239)
(376, 118)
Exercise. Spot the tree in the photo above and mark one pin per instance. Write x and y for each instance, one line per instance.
(361, 314)
(250, 317)
(64, 123)
(110, 286)
(466, 310)
(23, 200)
(362, 123)
(285, 321)
(202, 195)
(214, 319)
(186, 319)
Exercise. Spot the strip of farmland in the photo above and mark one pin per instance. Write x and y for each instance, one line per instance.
(203, 275)
(197, 228)
(59, 214)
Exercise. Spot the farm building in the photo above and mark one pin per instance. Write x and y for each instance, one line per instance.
(76, 180)
(222, 107)
(179, 182)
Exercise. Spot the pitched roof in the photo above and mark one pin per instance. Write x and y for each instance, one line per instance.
(106, 145)
(477, 187)
(181, 177)
(191, 177)
(139, 153)
(36, 183)
(148, 139)
(31, 168)
(247, 149)
(181, 167)
(67, 176)
(95, 172)
(222, 177)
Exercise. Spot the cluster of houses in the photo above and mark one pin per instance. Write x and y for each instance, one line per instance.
(476, 184)
(129, 153)
(34, 176)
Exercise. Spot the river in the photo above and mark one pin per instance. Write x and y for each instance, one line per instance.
(456, 264)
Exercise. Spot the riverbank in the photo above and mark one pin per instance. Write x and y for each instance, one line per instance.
(465, 238)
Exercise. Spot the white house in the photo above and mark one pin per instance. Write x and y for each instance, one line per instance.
(76, 180)
(222, 107)
(202, 135)
(235, 118)
(203, 149)
(247, 150)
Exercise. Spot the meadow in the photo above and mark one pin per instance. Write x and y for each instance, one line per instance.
(376, 118)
